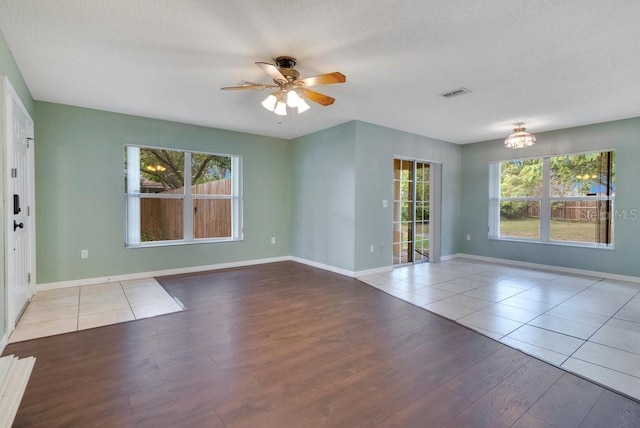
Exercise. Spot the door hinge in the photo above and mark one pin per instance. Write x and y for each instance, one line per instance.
(29, 278)
(28, 211)
(28, 141)
(14, 172)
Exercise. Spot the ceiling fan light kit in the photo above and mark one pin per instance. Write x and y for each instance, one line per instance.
(520, 138)
(290, 89)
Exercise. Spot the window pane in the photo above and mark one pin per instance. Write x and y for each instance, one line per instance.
(421, 244)
(161, 171)
(521, 178)
(587, 174)
(160, 219)
(211, 218)
(581, 221)
(210, 174)
(520, 219)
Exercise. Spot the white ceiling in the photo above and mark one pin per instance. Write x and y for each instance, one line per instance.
(551, 64)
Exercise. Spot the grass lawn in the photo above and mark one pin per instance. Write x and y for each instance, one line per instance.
(580, 231)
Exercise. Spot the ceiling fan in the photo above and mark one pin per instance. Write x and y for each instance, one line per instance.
(290, 89)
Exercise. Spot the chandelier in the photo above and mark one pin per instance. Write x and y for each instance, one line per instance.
(520, 138)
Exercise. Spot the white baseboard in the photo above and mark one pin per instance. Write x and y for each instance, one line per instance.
(141, 275)
(323, 266)
(553, 268)
(341, 271)
(450, 257)
(375, 271)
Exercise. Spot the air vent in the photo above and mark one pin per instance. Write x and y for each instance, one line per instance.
(455, 92)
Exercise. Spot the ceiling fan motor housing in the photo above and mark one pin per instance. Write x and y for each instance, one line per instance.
(285, 65)
(285, 62)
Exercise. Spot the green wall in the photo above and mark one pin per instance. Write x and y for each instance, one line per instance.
(323, 193)
(9, 69)
(80, 193)
(341, 176)
(376, 147)
(622, 135)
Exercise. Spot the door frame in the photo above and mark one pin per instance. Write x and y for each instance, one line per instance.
(9, 97)
(435, 208)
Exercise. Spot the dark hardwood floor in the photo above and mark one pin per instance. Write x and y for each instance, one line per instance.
(287, 345)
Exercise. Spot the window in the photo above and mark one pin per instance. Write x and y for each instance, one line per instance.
(162, 185)
(559, 199)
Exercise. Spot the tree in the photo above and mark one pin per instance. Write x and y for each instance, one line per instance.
(167, 167)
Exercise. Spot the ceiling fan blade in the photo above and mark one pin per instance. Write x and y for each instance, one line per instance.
(324, 79)
(272, 71)
(316, 96)
(252, 86)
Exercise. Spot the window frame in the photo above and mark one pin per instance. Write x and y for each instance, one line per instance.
(546, 199)
(132, 233)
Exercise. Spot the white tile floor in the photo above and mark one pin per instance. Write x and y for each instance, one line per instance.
(78, 308)
(586, 325)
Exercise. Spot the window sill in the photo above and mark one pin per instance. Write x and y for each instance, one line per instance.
(557, 243)
(180, 243)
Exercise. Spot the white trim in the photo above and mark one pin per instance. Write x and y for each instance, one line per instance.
(323, 266)
(361, 273)
(451, 257)
(341, 271)
(4, 341)
(561, 269)
(9, 97)
(140, 275)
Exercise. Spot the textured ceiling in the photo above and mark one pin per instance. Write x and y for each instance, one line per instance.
(551, 64)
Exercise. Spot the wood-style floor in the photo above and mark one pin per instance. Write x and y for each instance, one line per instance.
(287, 345)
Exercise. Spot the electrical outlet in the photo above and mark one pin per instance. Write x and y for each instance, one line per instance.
(371, 248)
(273, 239)
(468, 237)
(84, 254)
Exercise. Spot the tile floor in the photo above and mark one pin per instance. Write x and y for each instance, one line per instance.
(587, 325)
(78, 308)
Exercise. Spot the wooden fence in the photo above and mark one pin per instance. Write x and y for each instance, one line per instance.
(571, 210)
(161, 219)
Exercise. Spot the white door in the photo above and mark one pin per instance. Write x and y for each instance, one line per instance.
(19, 204)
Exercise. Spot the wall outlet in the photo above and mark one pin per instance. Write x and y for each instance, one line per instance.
(468, 237)
(273, 239)
(385, 203)
(84, 254)
(371, 248)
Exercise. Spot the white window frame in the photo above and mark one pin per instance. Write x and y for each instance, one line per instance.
(133, 197)
(545, 200)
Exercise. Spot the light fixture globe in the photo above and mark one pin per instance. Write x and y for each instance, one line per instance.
(520, 138)
(270, 102)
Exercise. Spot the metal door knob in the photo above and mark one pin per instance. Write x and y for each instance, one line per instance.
(17, 225)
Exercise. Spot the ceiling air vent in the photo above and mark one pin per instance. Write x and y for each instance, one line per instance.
(455, 92)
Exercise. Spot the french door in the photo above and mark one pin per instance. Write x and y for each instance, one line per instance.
(414, 237)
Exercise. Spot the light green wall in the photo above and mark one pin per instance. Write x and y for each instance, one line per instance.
(9, 69)
(323, 192)
(341, 176)
(623, 136)
(80, 193)
(376, 147)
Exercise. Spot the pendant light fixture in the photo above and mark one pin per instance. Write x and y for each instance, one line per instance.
(520, 138)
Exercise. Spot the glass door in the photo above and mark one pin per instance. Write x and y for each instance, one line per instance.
(421, 210)
(411, 211)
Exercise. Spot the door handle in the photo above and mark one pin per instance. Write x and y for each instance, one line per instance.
(17, 225)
